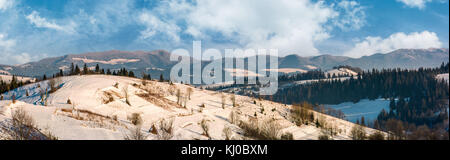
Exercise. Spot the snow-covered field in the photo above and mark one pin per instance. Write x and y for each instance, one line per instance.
(443, 77)
(341, 71)
(98, 110)
(367, 108)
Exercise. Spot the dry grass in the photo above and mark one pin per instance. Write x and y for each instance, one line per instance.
(265, 130)
(159, 101)
(135, 133)
(107, 97)
(165, 131)
(22, 127)
(92, 119)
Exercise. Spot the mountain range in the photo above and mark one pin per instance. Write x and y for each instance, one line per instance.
(158, 61)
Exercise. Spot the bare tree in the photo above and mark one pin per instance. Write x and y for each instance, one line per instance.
(43, 96)
(178, 96)
(233, 118)
(224, 98)
(233, 99)
(13, 98)
(189, 92)
(126, 94)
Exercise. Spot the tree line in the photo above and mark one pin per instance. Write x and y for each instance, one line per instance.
(74, 70)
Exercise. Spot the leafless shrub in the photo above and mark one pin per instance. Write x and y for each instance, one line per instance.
(324, 137)
(189, 91)
(267, 130)
(54, 84)
(224, 98)
(233, 118)
(22, 126)
(135, 119)
(178, 97)
(233, 100)
(116, 85)
(358, 132)
(126, 95)
(135, 133)
(107, 97)
(43, 96)
(172, 89)
(205, 127)
(69, 101)
(227, 133)
(287, 136)
(165, 129)
(376, 136)
(270, 130)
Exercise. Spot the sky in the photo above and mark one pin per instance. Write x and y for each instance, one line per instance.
(33, 30)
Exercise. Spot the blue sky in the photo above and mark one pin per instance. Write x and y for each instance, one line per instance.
(32, 30)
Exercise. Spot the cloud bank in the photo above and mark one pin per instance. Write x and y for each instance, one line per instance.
(415, 40)
(415, 3)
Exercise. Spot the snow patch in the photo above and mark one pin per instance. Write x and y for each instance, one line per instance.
(112, 61)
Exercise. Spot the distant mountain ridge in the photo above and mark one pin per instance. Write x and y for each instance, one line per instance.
(158, 61)
(402, 58)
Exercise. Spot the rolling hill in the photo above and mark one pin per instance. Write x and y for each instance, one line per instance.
(99, 109)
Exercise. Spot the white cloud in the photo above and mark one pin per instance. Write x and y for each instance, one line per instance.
(8, 55)
(40, 22)
(415, 40)
(292, 26)
(352, 15)
(6, 44)
(6, 4)
(21, 58)
(415, 3)
(155, 25)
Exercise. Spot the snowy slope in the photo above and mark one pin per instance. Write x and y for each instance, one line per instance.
(341, 71)
(443, 77)
(89, 117)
